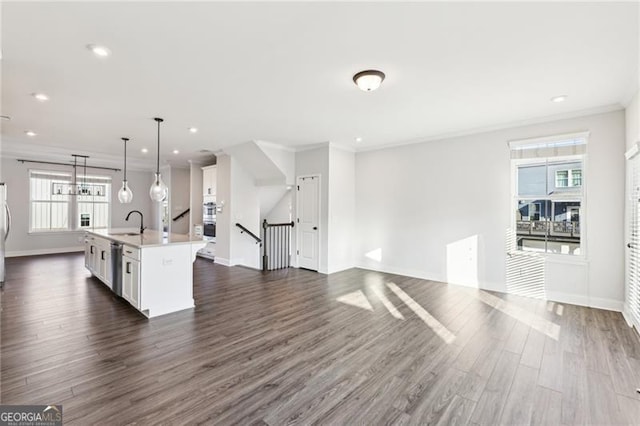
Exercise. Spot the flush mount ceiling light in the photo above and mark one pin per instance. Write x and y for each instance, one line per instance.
(558, 99)
(193, 129)
(40, 96)
(125, 195)
(368, 80)
(30, 133)
(98, 50)
(358, 139)
(158, 191)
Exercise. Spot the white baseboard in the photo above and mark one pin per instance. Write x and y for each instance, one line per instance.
(339, 269)
(607, 304)
(413, 273)
(39, 252)
(222, 261)
(582, 300)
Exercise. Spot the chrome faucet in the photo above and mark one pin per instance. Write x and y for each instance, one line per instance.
(142, 228)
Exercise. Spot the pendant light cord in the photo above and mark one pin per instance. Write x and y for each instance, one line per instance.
(125, 158)
(158, 120)
(158, 156)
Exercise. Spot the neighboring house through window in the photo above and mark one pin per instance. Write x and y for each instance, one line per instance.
(549, 195)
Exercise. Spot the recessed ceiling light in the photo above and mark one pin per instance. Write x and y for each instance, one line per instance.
(368, 80)
(30, 133)
(358, 139)
(175, 151)
(144, 150)
(98, 50)
(193, 129)
(40, 96)
(560, 98)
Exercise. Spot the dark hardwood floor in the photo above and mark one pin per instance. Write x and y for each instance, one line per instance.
(356, 347)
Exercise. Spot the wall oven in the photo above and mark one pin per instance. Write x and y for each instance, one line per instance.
(209, 219)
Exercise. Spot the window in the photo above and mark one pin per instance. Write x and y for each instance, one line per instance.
(562, 178)
(568, 178)
(56, 204)
(548, 196)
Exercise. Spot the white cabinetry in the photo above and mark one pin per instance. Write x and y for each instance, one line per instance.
(97, 258)
(157, 269)
(209, 177)
(131, 276)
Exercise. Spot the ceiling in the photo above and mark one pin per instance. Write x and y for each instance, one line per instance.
(281, 72)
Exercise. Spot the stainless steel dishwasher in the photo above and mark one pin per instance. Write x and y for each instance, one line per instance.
(116, 268)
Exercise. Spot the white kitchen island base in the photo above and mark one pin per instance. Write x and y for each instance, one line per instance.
(156, 271)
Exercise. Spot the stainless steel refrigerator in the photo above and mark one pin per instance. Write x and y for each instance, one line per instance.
(5, 227)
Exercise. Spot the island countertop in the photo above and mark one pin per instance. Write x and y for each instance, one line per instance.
(149, 238)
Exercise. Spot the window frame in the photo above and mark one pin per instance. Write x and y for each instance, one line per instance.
(72, 212)
(515, 163)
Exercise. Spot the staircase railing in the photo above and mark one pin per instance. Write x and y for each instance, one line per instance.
(181, 215)
(277, 245)
(243, 229)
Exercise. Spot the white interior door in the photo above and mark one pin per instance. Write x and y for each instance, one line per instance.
(632, 299)
(308, 221)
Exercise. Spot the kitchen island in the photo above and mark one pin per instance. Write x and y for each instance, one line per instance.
(151, 271)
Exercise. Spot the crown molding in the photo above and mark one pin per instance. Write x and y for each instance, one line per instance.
(509, 125)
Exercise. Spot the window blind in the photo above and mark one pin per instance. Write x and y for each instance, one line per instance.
(633, 259)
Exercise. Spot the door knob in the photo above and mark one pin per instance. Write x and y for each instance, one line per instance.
(315, 228)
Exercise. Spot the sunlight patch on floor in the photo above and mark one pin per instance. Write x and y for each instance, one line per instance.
(425, 316)
(386, 302)
(357, 299)
(536, 322)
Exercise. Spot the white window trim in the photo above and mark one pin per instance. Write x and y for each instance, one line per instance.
(73, 208)
(559, 258)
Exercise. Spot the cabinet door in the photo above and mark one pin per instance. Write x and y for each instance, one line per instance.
(93, 258)
(206, 178)
(102, 263)
(131, 281)
(135, 284)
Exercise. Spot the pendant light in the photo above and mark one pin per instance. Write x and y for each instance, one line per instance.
(125, 195)
(158, 190)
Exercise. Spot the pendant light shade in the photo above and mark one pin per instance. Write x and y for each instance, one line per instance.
(125, 195)
(158, 191)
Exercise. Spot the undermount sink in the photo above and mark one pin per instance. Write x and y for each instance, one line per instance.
(126, 234)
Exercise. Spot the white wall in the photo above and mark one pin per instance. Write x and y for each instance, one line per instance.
(195, 197)
(284, 158)
(316, 162)
(20, 242)
(245, 209)
(223, 218)
(414, 201)
(180, 190)
(341, 220)
(632, 121)
(282, 212)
